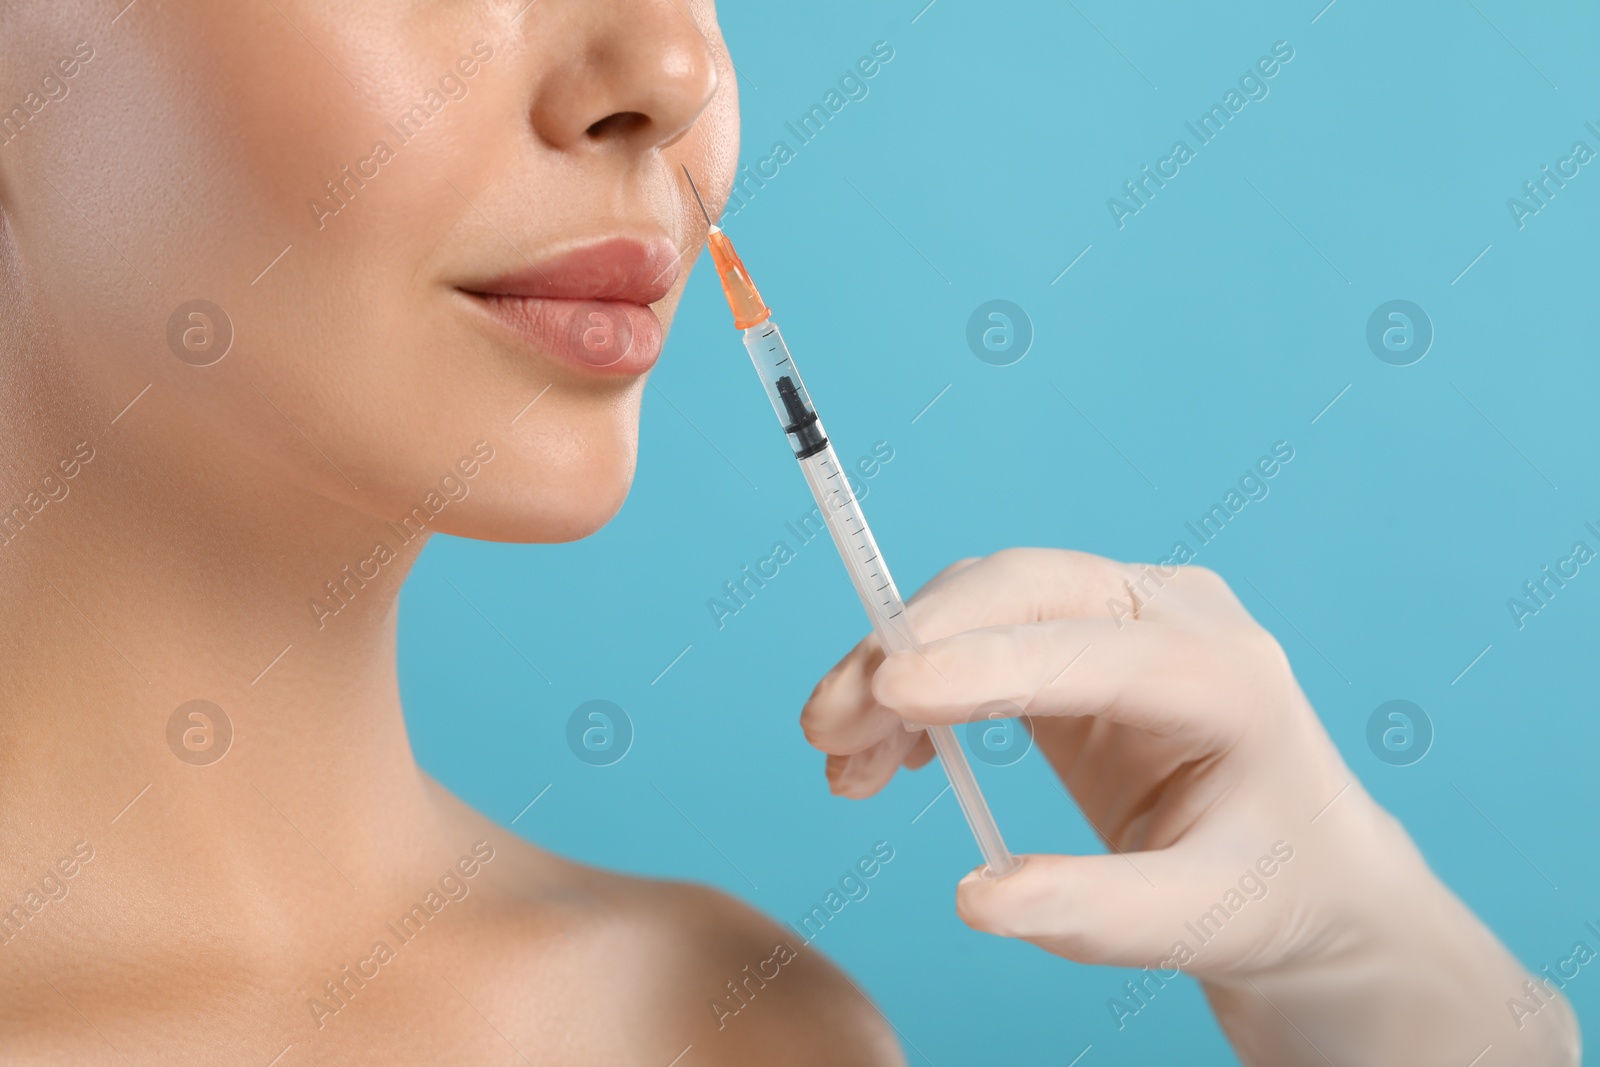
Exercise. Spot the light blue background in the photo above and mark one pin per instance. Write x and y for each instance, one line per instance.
(1213, 325)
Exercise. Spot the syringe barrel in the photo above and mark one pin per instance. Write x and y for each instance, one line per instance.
(841, 513)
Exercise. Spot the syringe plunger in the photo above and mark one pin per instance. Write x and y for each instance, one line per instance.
(802, 425)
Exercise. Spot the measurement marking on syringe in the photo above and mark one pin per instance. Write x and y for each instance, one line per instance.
(781, 362)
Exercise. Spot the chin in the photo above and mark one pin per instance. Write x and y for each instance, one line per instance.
(550, 487)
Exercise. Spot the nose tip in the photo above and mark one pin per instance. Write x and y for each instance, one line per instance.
(645, 76)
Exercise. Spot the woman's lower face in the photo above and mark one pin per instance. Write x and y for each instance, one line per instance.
(274, 273)
(354, 240)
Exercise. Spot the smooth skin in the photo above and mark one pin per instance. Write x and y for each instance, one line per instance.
(218, 500)
(1235, 829)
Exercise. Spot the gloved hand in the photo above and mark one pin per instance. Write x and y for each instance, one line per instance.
(1244, 851)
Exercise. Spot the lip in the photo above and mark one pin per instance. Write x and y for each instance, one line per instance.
(588, 306)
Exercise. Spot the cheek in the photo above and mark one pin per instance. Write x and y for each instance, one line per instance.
(196, 149)
(198, 140)
(193, 146)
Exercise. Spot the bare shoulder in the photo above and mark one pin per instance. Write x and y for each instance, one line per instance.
(643, 970)
(762, 993)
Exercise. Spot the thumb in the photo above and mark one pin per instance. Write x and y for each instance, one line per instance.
(1141, 909)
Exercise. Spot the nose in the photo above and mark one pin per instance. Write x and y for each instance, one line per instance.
(633, 74)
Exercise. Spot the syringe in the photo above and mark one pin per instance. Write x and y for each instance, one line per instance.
(842, 513)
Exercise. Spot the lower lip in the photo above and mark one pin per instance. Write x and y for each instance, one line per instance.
(609, 337)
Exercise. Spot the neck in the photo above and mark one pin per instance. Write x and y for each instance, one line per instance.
(150, 581)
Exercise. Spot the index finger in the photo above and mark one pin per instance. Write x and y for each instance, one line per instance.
(1020, 585)
(1158, 679)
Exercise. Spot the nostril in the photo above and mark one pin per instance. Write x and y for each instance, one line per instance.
(619, 125)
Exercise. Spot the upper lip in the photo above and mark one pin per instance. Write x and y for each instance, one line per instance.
(628, 269)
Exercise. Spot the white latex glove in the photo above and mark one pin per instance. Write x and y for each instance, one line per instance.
(1244, 850)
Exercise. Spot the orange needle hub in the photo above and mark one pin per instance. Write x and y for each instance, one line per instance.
(748, 307)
